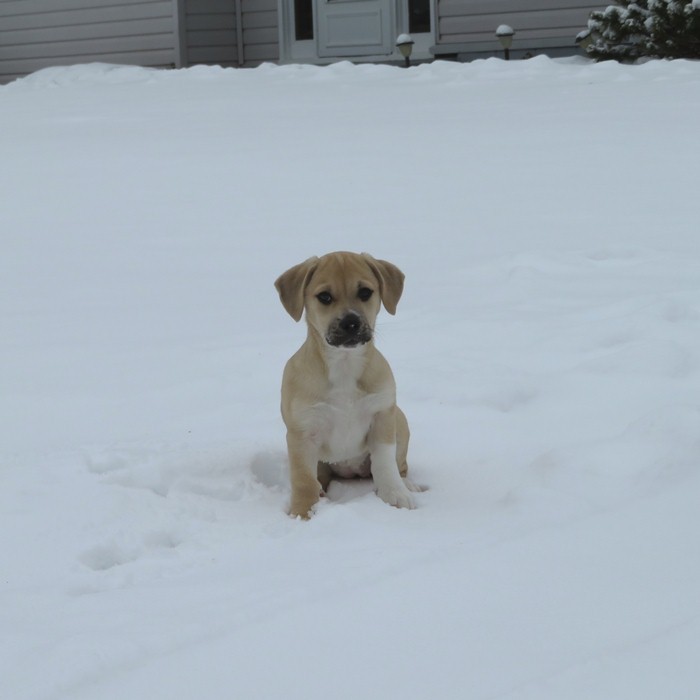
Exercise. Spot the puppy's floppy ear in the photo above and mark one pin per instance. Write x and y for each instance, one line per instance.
(390, 281)
(292, 284)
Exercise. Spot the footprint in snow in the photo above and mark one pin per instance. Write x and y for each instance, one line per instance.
(108, 556)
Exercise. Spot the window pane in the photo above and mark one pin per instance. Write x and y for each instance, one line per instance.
(418, 16)
(303, 20)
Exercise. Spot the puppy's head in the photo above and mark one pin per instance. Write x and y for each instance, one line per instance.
(341, 293)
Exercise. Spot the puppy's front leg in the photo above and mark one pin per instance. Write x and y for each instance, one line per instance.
(385, 470)
(303, 474)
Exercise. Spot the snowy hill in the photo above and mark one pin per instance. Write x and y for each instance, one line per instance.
(545, 350)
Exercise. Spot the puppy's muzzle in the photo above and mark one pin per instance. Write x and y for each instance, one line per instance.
(349, 331)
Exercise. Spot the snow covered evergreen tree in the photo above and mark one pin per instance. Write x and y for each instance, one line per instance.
(632, 29)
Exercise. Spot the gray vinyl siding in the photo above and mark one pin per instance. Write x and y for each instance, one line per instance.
(260, 31)
(211, 32)
(35, 34)
(541, 26)
(213, 35)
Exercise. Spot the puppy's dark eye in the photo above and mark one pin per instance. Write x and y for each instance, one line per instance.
(325, 298)
(365, 293)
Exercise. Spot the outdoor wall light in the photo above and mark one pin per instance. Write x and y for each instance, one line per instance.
(404, 43)
(504, 34)
(584, 39)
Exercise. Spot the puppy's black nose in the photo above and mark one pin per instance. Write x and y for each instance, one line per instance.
(350, 324)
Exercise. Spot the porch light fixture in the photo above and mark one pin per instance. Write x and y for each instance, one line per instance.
(584, 39)
(504, 34)
(404, 43)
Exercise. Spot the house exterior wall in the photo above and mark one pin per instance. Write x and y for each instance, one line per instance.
(230, 32)
(466, 28)
(210, 32)
(260, 22)
(39, 33)
(35, 34)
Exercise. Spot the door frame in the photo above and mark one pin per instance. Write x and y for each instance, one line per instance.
(293, 51)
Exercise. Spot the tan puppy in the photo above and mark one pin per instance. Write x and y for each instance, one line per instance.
(338, 392)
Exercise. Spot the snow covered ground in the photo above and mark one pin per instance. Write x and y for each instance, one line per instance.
(546, 352)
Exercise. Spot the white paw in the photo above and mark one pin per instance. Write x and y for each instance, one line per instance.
(398, 496)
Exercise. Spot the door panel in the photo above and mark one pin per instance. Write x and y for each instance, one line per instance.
(355, 27)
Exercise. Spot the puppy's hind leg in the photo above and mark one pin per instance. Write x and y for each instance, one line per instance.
(402, 436)
(325, 475)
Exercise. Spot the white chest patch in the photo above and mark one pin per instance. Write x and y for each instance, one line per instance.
(340, 424)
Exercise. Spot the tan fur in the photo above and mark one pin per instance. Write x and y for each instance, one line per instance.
(339, 402)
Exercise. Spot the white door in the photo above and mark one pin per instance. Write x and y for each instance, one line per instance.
(355, 27)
